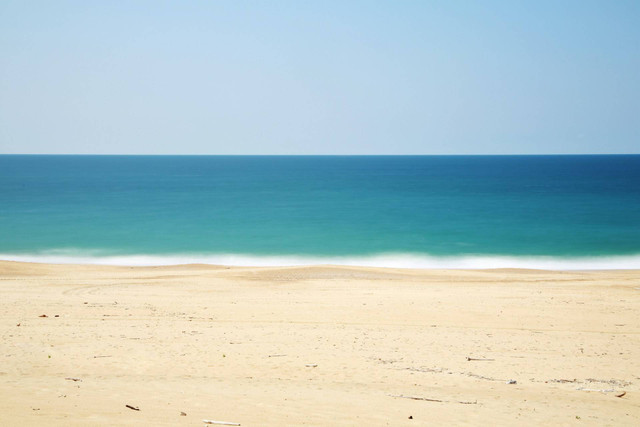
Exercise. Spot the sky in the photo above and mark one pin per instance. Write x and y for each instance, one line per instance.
(319, 77)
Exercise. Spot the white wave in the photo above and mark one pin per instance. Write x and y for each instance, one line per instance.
(393, 260)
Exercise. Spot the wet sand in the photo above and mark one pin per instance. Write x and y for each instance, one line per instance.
(317, 346)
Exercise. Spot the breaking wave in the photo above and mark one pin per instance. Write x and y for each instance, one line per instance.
(392, 260)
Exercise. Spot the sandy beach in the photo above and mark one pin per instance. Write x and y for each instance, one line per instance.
(317, 346)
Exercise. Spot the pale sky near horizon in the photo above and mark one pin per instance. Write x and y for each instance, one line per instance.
(322, 77)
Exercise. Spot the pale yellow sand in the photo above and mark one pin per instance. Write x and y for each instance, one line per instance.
(242, 345)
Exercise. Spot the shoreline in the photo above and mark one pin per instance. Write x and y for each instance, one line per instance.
(386, 260)
(317, 345)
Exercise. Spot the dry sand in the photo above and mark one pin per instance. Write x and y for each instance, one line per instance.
(317, 346)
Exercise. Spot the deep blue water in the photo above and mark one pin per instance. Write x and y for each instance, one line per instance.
(320, 207)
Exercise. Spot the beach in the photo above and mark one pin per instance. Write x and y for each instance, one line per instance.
(320, 345)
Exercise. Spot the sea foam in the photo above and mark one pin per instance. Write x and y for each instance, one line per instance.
(391, 260)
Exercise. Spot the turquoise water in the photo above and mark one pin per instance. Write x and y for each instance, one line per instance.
(372, 210)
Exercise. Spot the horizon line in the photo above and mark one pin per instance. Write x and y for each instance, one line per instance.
(315, 155)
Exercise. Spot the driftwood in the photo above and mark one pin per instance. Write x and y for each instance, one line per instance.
(621, 394)
(73, 379)
(462, 402)
(415, 398)
(220, 423)
(132, 407)
(471, 359)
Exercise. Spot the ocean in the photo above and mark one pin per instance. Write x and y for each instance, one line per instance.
(557, 212)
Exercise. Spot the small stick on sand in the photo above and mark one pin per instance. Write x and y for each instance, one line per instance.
(415, 398)
(220, 423)
(426, 399)
(73, 379)
(471, 359)
(132, 407)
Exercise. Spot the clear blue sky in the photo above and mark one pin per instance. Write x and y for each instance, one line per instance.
(323, 77)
